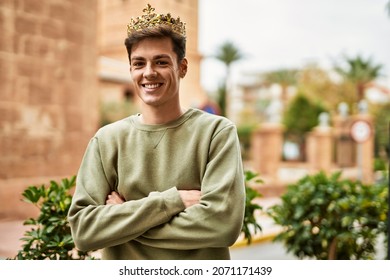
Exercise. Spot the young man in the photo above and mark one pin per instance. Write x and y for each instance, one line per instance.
(166, 183)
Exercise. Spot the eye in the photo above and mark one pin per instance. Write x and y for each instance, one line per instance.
(162, 62)
(137, 64)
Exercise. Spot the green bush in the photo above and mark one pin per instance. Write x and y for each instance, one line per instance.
(250, 225)
(380, 164)
(50, 236)
(325, 217)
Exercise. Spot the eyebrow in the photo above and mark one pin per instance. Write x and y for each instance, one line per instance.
(159, 56)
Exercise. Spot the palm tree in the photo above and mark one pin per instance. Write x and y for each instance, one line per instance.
(360, 73)
(227, 53)
(284, 78)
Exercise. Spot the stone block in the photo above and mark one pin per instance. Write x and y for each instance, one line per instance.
(8, 115)
(7, 4)
(21, 90)
(34, 7)
(28, 67)
(40, 94)
(73, 33)
(6, 29)
(53, 29)
(6, 67)
(60, 11)
(6, 88)
(26, 25)
(73, 120)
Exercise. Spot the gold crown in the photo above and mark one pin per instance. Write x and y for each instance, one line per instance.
(150, 19)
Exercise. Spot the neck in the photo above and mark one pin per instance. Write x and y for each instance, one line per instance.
(151, 115)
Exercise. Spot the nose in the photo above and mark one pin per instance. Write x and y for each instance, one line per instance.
(150, 72)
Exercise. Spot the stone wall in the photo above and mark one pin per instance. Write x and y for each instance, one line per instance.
(48, 93)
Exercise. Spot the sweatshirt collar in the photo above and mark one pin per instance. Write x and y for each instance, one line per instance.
(135, 119)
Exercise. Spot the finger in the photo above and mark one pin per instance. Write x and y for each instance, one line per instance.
(114, 198)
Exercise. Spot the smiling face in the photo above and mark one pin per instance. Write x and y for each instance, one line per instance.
(156, 73)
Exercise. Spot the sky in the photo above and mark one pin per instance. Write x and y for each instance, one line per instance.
(275, 34)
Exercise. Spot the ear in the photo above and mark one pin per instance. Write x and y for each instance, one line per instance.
(131, 75)
(183, 68)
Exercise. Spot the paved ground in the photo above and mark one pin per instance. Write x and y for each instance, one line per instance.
(10, 233)
(266, 250)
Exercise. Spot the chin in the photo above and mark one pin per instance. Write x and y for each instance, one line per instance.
(151, 101)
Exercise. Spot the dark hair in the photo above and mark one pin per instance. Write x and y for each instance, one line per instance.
(163, 31)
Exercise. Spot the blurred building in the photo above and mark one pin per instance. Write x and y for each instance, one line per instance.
(58, 61)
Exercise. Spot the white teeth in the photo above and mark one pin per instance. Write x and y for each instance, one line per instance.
(152, 85)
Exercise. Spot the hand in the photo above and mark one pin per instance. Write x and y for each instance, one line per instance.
(114, 198)
(190, 197)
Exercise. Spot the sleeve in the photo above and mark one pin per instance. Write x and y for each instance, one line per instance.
(218, 219)
(95, 225)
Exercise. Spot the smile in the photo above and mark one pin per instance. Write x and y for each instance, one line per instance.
(152, 86)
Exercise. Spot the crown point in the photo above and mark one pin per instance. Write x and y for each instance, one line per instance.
(150, 20)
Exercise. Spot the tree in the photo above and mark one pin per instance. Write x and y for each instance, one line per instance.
(381, 114)
(318, 84)
(300, 117)
(227, 54)
(360, 72)
(283, 77)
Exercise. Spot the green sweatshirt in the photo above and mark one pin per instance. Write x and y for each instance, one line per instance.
(147, 165)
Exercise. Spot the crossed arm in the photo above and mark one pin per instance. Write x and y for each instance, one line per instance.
(189, 198)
